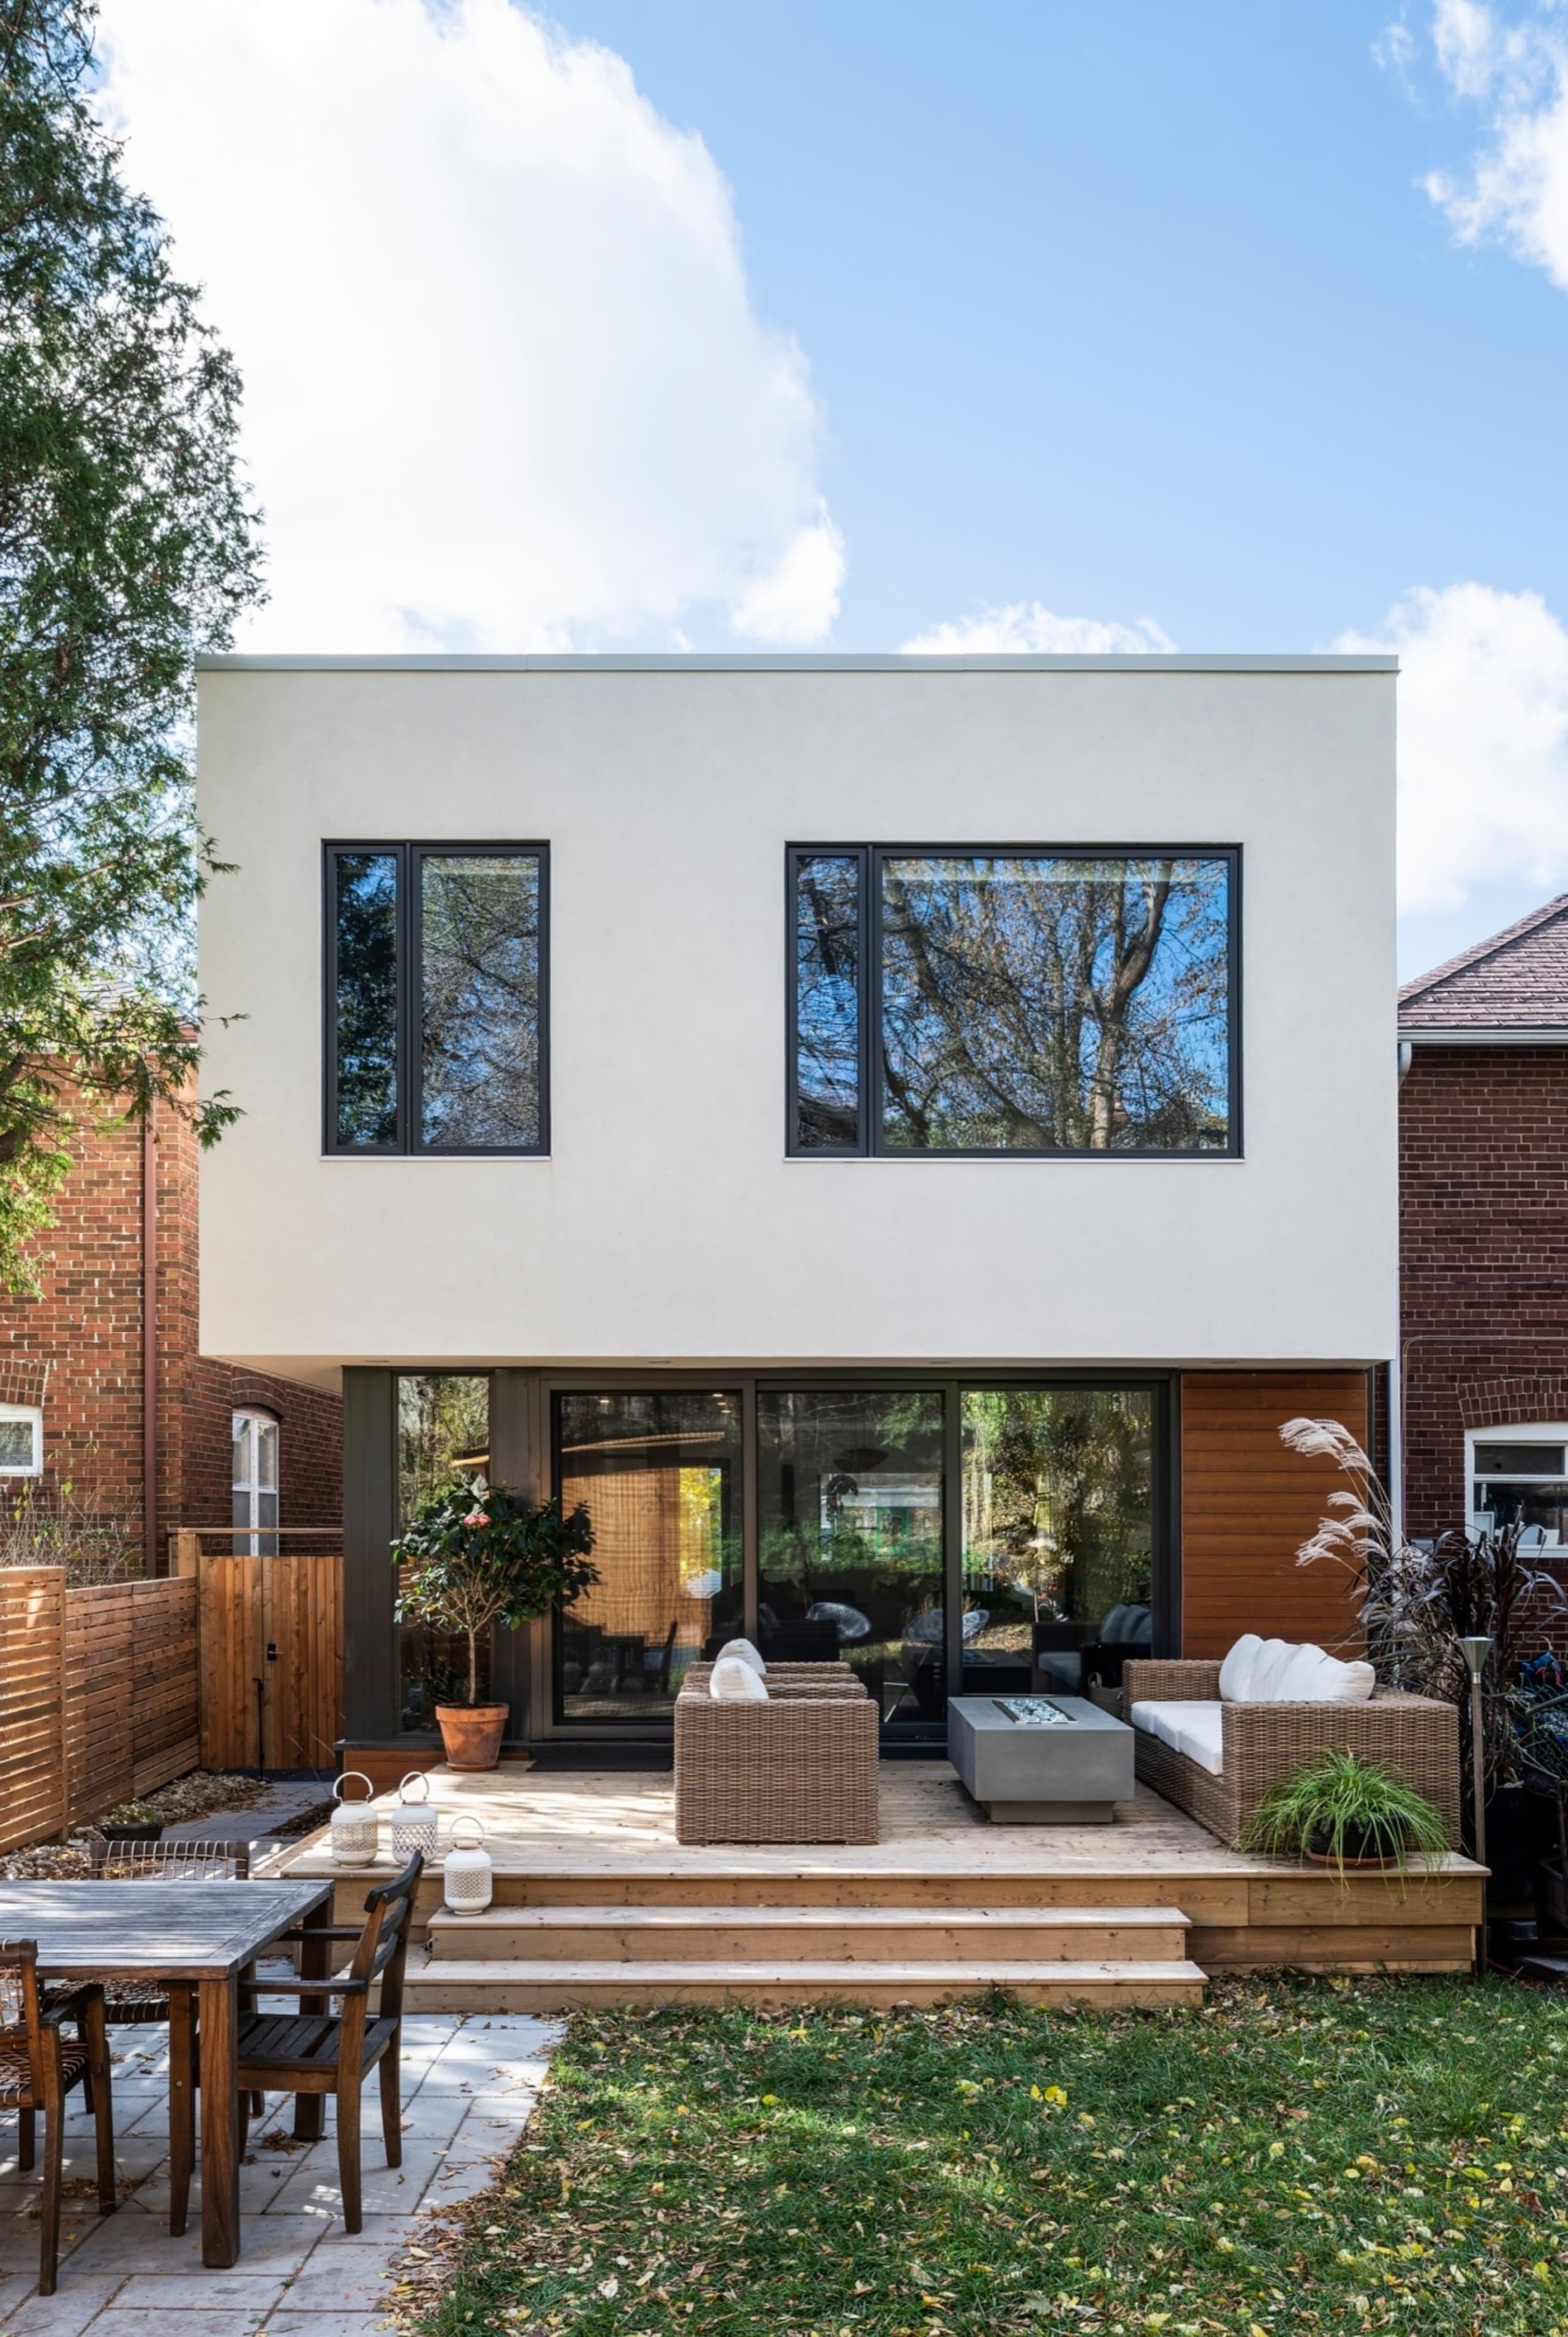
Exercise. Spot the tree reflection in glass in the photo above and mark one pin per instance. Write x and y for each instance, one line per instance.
(443, 1432)
(827, 946)
(1055, 1004)
(849, 1493)
(364, 1006)
(480, 1001)
(1058, 1523)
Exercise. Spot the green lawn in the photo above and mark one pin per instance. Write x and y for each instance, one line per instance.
(1300, 2156)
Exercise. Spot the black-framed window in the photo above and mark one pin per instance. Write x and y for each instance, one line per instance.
(437, 998)
(1061, 1002)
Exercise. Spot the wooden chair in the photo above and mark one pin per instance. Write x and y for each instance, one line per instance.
(315, 2052)
(38, 2068)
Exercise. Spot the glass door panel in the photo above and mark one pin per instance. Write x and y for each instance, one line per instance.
(659, 1475)
(1058, 1534)
(850, 1486)
(442, 1433)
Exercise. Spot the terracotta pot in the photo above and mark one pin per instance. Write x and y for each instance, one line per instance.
(472, 1734)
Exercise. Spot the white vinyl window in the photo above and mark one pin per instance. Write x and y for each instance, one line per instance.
(254, 1480)
(1519, 1476)
(21, 1440)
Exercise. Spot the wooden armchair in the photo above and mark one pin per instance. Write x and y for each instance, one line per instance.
(311, 2051)
(38, 2068)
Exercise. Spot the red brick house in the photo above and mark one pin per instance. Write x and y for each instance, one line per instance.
(101, 1385)
(1484, 1233)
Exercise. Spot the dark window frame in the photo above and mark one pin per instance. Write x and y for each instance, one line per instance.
(410, 857)
(872, 1144)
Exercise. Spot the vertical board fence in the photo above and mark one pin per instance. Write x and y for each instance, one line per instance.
(271, 1652)
(99, 1696)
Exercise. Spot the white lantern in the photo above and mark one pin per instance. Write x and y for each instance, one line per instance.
(414, 1821)
(470, 1874)
(353, 1834)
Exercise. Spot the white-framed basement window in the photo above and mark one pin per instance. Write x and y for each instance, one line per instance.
(1519, 1475)
(21, 1440)
(254, 1480)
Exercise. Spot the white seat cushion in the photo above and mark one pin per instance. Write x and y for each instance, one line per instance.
(745, 1650)
(1313, 1676)
(1201, 1735)
(733, 1681)
(1189, 1726)
(1236, 1671)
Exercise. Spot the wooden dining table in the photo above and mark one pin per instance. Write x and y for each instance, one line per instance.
(197, 1939)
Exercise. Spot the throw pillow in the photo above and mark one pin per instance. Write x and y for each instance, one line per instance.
(1270, 1662)
(733, 1681)
(1236, 1671)
(745, 1650)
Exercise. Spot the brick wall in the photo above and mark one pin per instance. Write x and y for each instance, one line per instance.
(77, 1350)
(1483, 1258)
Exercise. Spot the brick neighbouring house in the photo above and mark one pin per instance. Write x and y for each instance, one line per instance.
(77, 1354)
(1483, 1231)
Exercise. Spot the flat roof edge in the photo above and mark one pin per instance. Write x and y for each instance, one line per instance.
(701, 662)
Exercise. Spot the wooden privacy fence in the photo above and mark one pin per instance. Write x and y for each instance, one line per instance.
(271, 1647)
(99, 1696)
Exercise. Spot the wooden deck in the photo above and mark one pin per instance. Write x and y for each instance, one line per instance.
(593, 1893)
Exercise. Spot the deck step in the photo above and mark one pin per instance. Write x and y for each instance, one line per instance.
(520, 1984)
(818, 1935)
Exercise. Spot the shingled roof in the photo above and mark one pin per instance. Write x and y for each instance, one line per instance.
(1517, 981)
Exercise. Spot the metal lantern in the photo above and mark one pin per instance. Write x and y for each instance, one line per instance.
(414, 1821)
(469, 1874)
(354, 1834)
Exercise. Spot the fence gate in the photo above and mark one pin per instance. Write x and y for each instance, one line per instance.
(271, 1660)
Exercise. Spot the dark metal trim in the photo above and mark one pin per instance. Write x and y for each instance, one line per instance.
(871, 1143)
(409, 857)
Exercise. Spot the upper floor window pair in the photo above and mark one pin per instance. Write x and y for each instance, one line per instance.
(1044, 1000)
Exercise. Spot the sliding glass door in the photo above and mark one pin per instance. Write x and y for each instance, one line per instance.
(850, 1540)
(659, 1475)
(1058, 1534)
(939, 1537)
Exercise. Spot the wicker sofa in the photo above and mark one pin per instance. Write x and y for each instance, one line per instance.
(1415, 1735)
(801, 1767)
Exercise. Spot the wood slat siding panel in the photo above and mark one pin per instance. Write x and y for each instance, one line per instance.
(32, 1703)
(1248, 1503)
(98, 1697)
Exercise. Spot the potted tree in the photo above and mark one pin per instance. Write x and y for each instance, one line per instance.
(1341, 1811)
(477, 1558)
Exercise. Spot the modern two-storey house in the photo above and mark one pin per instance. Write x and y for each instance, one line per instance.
(893, 1136)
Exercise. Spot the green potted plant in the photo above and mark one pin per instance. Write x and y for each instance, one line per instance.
(131, 1821)
(478, 1557)
(1341, 1811)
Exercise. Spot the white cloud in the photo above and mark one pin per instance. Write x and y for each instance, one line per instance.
(1516, 189)
(505, 386)
(1483, 741)
(1027, 625)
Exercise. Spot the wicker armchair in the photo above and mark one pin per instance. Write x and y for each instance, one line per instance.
(801, 1767)
(1416, 1735)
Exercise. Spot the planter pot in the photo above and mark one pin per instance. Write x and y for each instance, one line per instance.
(147, 1830)
(1510, 1846)
(472, 1734)
(1358, 1851)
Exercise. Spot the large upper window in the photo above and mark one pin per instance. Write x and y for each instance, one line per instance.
(1012, 1001)
(435, 998)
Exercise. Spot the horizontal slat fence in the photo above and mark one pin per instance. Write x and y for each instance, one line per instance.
(99, 1696)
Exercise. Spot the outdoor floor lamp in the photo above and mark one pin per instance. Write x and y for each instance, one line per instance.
(1476, 1652)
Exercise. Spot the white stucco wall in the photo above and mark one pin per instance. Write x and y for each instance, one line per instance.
(668, 1224)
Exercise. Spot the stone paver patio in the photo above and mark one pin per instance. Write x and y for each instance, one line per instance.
(469, 2082)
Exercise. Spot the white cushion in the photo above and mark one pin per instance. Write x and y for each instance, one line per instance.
(1199, 1735)
(1311, 1676)
(1236, 1671)
(733, 1680)
(1189, 1726)
(1269, 1663)
(745, 1650)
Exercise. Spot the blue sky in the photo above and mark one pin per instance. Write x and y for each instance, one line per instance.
(1144, 313)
